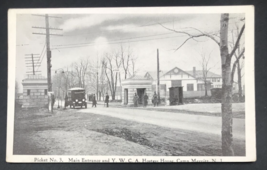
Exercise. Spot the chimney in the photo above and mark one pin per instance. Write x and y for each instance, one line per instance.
(194, 71)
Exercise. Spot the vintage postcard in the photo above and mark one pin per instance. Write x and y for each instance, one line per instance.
(131, 85)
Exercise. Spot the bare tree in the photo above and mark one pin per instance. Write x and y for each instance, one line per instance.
(103, 84)
(57, 85)
(237, 65)
(125, 59)
(80, 71)
(205, 70)
(111, 74)
(132, 66)
(226, 57)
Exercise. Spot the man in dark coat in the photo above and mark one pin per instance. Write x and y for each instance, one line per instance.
(93, 101)
(155, 99)
(53, 100)
(145, 99)
(107, 99)
(66, 101)
(135, 100)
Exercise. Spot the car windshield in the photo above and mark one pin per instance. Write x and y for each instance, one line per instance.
(78, 94)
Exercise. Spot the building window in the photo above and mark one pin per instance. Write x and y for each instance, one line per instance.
(45, 92)
(28, 92)
(190, 87)
(218, 80)
(214, 80)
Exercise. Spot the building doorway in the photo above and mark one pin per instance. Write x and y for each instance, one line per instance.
(141, 93)
(125, 96)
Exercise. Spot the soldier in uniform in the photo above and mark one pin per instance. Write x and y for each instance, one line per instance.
(155, 99)
(145, 99)
(94, 101)
(107, 99)
(135, 100)
(66, 101)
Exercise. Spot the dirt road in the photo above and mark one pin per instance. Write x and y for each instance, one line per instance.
(197, 123)
(75, 132)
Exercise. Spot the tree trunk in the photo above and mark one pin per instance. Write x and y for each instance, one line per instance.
(113, 96)
(227, 117)
(206, 89)
(239, 77)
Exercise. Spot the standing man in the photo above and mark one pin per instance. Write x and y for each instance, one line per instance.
(107, 99)
(145, 99)
(53, 100)
(135, 99)
(155, 99)
(94, 101)
(66, 101)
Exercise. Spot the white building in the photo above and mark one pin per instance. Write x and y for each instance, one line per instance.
(34, 91)
(214, 79)
(191, 81)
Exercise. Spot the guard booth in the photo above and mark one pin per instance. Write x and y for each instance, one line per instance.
(138, 85)
(176, 95)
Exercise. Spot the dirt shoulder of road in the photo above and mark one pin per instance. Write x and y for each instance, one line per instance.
(69, 132)
(238, 112)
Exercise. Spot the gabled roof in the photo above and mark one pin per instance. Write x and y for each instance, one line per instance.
(199, 74)
(137, 77)
(153, 74)
(180, 70)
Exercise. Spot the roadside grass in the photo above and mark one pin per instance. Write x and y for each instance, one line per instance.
(31, 125)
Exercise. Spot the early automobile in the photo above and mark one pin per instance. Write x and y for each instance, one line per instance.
(76, 97)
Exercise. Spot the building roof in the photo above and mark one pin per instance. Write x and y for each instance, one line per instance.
(137, 77)
(199, 74)
(153, 74)
(76, 88)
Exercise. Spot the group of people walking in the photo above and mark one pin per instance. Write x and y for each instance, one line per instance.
(94, 102)
(145, 99)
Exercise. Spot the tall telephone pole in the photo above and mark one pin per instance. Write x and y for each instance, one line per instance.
(30, 62)
(48, 51)
(158, 84)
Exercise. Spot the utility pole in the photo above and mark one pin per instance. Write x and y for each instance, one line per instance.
(30, 62)
(48, 50)
(97, 85)
(158, 84)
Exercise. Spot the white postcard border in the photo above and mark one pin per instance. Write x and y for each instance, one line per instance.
(249, 81)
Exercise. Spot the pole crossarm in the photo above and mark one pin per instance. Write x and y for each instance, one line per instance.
(48, 34)
(47, 28)
(31, 57)
(39, 15)
(31, 54)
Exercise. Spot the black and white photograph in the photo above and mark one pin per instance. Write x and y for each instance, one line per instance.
(131, 85)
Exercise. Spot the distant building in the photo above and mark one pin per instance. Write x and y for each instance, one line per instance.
(214, 79)
(34, 91)
(191, 81)
(138, 85)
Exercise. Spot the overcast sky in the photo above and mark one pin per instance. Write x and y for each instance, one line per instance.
(106, 33)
